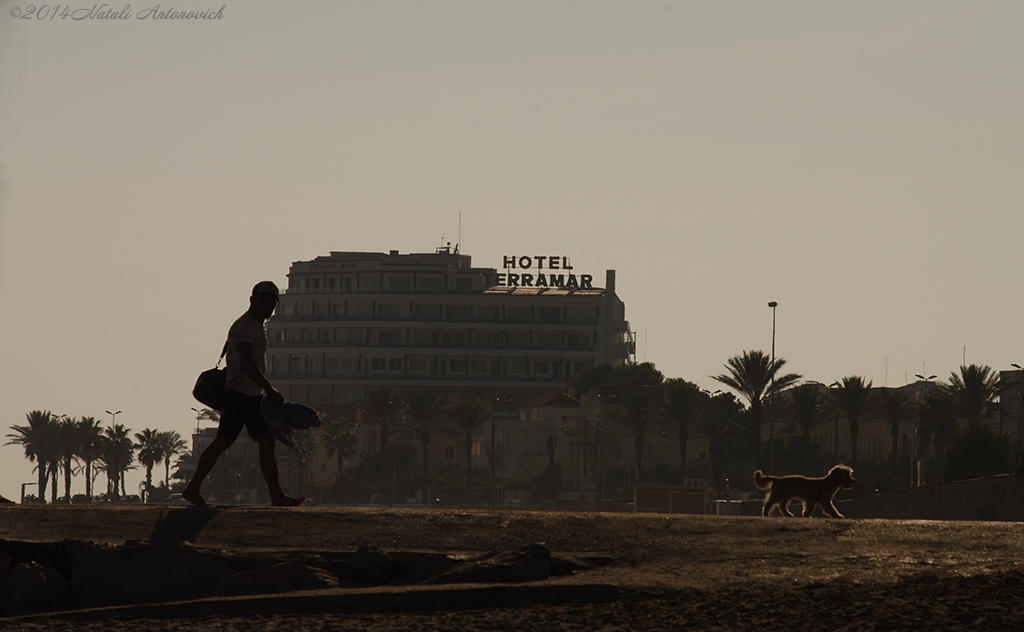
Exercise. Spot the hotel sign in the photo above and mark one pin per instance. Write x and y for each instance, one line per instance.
(539, 271)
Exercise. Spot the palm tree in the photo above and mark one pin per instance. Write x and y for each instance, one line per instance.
(384, 404)
(426, 409)
(37, 439)
(465, 419)
(975, 387)
(715, 423)
(151, 452)
(67, 437)
(90, 436)
(938, 414)
(895, 407)
(636, 411)
(855, 401)
(806, 408)
(338, 439)
(117, 456)
(683, 403)
(756, 378)
(171, 445)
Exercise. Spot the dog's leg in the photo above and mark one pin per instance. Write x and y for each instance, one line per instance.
(831, 510)
(784, 506)
(809, 509)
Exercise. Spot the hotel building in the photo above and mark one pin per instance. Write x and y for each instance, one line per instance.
(349, 321)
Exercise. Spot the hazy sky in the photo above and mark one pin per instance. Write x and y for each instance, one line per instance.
(860, 163)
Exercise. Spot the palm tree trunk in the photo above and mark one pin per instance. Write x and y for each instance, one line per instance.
(895, 449)
(67, 478)
(684, 438)
(425, 441)
(854, 433)
(756, 420)
(639, 445)
(41, 491)
(469, 457)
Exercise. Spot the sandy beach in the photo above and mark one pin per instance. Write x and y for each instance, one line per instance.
(640, 571)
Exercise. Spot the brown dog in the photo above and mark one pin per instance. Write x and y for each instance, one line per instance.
(810, 491)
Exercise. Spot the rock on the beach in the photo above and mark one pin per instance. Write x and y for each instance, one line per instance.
(5, 563)
(368, 565)
(138, 572)
(29, 586)
(503, 567)
(292, 575)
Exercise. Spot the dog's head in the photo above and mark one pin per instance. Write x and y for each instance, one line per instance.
(842, 476)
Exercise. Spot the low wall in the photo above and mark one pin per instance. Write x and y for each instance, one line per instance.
(669, 499)
(999, 498)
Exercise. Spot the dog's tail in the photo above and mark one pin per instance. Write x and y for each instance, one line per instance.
(761, 480)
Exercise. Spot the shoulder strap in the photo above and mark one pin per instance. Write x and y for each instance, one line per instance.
(223, 352)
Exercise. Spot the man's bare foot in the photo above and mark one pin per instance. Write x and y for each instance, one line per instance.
(286, 501)
(194, 498)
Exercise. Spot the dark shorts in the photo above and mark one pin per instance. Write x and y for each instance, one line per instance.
(240, 411)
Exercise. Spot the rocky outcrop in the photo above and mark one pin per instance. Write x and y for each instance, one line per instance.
(40, 576)
(283, 577)
(29, 587)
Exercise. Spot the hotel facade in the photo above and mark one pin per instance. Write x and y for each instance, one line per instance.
(349, 321)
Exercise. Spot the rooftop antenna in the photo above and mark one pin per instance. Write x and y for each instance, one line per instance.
(459, 240)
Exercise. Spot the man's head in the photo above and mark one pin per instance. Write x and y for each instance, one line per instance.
(263, 301)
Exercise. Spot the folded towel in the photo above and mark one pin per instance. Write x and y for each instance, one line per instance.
(285, 418)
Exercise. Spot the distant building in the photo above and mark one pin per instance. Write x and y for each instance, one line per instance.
(349, 321)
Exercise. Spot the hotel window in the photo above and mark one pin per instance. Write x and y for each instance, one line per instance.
(388, 311)
(417, 365)
(549, 315)
(424, 338)
(378, 364)
(541, 367)
(457, 365)
(460, 313)
(478, 366)
(488, 313)
(394, 364)
(518, 367)
(369, 283)
(430, 311)
(453, 339)
(578, 342)
(516, 339)
(360, 311)
(518, 314)
(486, 339)
(400, 284)
(449, 453)
(477, 449)
(431, 284)
(549, 340)
(389, 338)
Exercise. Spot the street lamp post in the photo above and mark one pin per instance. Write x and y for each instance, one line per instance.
(913, 441)
(113, 418)
(771, 428)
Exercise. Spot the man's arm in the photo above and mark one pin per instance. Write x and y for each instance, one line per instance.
(252, 371)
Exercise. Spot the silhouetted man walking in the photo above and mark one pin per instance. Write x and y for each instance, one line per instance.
(246, 363)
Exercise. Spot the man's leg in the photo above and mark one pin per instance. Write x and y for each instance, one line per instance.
(206, 462)
(268, 465)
